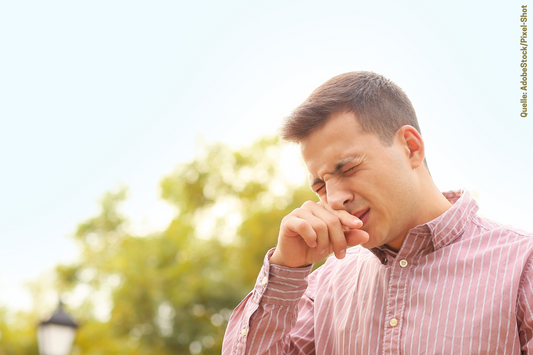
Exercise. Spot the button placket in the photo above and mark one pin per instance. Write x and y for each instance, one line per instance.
(399, 279)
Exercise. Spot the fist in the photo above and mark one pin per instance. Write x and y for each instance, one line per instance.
(312, 232)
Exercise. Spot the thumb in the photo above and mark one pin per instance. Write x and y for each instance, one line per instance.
(355, 237)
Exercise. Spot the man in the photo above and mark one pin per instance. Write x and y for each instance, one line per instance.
(429, 276)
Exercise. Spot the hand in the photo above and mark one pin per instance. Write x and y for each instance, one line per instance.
(312, 232)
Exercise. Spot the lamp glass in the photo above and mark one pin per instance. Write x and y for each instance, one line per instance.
(55, 339)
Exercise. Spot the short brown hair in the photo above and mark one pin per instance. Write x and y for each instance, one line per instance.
(380, 106)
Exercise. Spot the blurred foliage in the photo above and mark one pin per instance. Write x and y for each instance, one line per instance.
(172, 292)
(18, 334)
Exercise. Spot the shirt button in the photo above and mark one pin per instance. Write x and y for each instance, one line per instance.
(393, 322)
(265, 280)
(403, 263)
(244, 332)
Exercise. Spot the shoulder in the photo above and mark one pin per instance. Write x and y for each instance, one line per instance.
(504, 238)
(487, 225)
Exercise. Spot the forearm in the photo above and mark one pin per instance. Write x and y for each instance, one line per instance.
(264, 322)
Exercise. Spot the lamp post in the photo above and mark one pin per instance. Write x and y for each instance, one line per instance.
(56, 334)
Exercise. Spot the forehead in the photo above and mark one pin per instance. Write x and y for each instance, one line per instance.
(339, 140)
(337, 126)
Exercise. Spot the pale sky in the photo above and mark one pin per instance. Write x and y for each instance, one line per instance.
(95, 94)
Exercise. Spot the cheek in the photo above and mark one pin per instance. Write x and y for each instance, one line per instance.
(397, 178)
(389, 195)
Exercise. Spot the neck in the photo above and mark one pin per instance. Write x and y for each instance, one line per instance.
(432, 201)
(430, 204)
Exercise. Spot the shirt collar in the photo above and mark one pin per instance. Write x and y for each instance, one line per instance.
(449, 226)
(439, 232)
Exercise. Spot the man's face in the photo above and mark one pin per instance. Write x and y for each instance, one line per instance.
(355, 171)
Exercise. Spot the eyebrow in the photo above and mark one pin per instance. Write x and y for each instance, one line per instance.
(338, 167)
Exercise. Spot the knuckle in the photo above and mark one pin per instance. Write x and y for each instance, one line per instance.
(320, 226)
(287, 219)
(295, 213)
(341, 243)
(296, 210)
(308, 204)
(322, 203)
(333, 221)
(301, 224)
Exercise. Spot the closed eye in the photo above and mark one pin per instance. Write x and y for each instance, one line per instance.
(353, 167)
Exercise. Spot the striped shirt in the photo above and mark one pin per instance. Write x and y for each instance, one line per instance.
(460, 284)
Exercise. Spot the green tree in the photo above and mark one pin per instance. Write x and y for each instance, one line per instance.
(172, 292)
(18, 334)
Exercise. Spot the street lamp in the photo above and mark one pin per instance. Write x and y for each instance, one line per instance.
(56, 335)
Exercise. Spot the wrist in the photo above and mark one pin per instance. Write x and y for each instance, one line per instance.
(277, 259)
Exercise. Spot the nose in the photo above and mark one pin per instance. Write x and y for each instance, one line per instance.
(338, 196)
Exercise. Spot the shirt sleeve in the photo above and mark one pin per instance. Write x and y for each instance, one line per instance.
(525, 310)
(276, 317)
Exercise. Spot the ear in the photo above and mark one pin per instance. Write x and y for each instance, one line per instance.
(413, 144)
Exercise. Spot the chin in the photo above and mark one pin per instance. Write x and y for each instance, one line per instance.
(372, 241)
(369, 245)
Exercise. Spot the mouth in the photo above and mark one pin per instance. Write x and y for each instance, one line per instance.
(363, 215)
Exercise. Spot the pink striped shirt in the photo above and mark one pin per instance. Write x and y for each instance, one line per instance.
(460, 284)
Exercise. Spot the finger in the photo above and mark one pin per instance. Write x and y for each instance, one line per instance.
(319, 226)
(356, 237)
(298, 226)
(336, 236)
(348, 219)
(322, 231)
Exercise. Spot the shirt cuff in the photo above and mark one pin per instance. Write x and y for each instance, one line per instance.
(282, 285)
